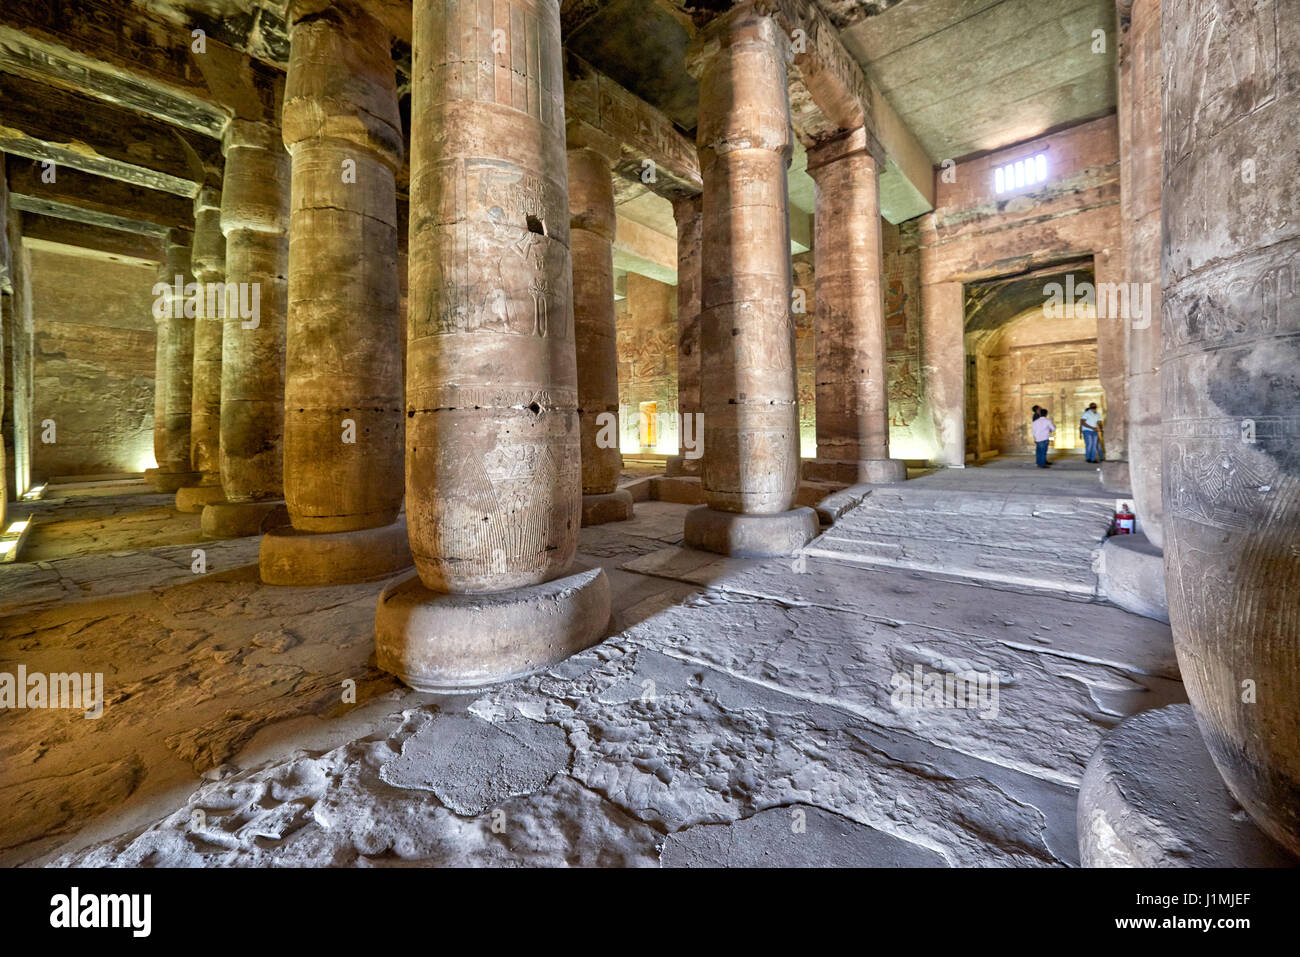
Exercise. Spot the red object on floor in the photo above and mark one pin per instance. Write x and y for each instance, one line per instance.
(1125, 521)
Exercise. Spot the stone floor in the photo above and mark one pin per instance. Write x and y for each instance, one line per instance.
(742, 712)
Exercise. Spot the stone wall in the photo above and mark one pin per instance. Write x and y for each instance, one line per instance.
(647, 362)
(976, 234)
(93, 364)
(1033, 361)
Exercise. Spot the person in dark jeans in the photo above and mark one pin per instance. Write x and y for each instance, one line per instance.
(1042, 429)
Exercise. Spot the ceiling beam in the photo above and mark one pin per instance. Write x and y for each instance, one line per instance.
(48, 229)
(122, 53)
(98, 195)
(104, 139)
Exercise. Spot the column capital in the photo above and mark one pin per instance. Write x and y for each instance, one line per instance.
(741, 24)
(581, 135)
(853, 143)
(251, 134)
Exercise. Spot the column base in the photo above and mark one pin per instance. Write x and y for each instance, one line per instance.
(1152, 797)
(1131, 573)
(192, 499)
(859, 472)
(615, 506)
(1115, 477)
(241, 519)
(164, 481)
(292, 557)
(458, 643)
(750, 536)
(678, 465)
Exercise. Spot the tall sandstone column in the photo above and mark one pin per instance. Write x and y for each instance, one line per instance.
(159, 396)
(591, 239)
(1231, 381)
(343, 375)
(852, 381)
(254, 221)
(493, 479)
(176, 468)
(751, 410)
(208, 264)
(1142, 121)
(689, 214)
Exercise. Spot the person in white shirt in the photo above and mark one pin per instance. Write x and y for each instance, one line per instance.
(1090, 423)
(1042, 429)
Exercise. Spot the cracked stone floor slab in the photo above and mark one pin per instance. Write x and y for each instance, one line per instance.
(740, 713)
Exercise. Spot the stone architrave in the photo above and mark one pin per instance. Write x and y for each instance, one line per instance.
(493, 477)
(343, 421)
(751, 405)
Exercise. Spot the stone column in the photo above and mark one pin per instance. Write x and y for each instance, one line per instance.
(159, 394)
(254, 221)
(493, 478)
(176, 467)
(852, 380)
(689, 214)
(343, 375)
(751, 408)
(591, 239)
(1110, 269)
(943, 369)
(1141, 120)
(1231, 420)
(208, 264)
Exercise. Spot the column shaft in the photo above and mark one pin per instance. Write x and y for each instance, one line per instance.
(208, 264)
(851, 378)
(689, 214)
(180, 353)
(343, 408)
(493, 477)
(591, 237)
(254, 219)
(751, 416)
(1231, 416)
(1140, 121)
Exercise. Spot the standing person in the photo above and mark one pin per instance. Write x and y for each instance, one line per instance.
(1090, 423)
(1042, 429)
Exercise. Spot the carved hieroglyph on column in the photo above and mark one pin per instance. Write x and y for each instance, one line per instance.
(255, 221)
(159, 394)
(1231, 381)
(343, 419)
(176, 467)
(852, 394)
(591, 237)
(208, 264)
(749, 389)
(493, 473)
(1140, 120)
(689, 214)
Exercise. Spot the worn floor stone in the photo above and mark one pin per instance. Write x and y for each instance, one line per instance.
(729, 693)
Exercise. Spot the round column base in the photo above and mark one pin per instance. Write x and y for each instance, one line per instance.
(1131, 573)
(679, 465)
(168, 482)
(292, 557)
(613, 506)
(1152, 797)
(241, 519)
(750, 536)
(459, 643)
(192, 499)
